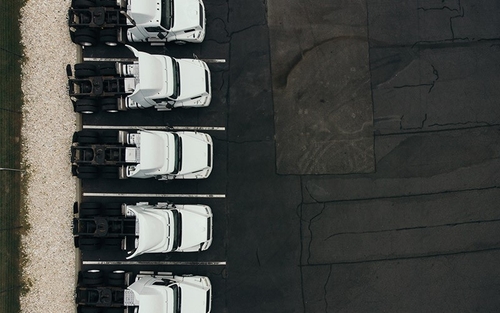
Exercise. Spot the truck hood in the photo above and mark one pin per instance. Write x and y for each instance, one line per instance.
(194, 152)
(154, 154)
(196, 226)
(153, 226)
(195, 78)
(144, 11)
(186, 15)
(151, 298)
(152, 81)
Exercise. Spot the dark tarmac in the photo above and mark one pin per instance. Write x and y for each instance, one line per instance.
(360, 158)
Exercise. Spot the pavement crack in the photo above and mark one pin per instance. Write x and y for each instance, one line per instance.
(411, 228)
(438, 9)
(404, 133)
(299, 212)
(325, 289)
(412, 128)
(311, 233)
(409, 257)
(431, 84)
(424, 194)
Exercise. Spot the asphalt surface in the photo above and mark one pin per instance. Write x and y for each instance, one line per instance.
(412, 223)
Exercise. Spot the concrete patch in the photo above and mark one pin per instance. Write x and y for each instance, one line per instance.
(321, 87)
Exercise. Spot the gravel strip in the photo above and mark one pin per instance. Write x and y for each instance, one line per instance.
(48, 124)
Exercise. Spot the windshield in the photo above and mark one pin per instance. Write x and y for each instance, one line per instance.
(177, 298)
(177, 79)
(178, 229)
(167, 18)
(177, 154)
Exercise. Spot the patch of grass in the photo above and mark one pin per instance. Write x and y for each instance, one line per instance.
(11, 224)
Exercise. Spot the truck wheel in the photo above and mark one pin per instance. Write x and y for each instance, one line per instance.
(113, 209)
(88, 309)
(109, 137)
(113, 243)
(83, 70)
(109, 105)
(82, 4)
(87, 172)
(89, 209)
(110, 172)
(88, 244)
(87, 136)
(117, 278)
(85, 106)
(109, 37)
(92, 278)
(180, 42)
(85, 36)
(108, 72)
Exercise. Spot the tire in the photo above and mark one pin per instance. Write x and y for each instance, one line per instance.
(111, 243)
(89, 209)
(109, 105)
(109, 172)
(89, 243)
(180, 42)
(87, 172)
(82, 4)
(92, 278)
(85, 106)
(87, 137)
(85, 37)
(113, 209)
(109, 37)
(108, 71)
(89, 309)
(117, 278)
(109, 137)
(83, 70)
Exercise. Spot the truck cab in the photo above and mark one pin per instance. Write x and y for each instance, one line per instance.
(159, 292)
(143, 228)
(180, 21)
(162, 155)
(164, 82)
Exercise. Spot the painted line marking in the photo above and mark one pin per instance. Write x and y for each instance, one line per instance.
(153, 195)
(91, 59)
(151, 263)
(214, 60)
(156, 127)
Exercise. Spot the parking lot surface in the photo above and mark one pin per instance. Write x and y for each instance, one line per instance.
(380, 198)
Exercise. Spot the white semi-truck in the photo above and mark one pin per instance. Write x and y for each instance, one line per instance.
(151, 81)
(162, 292)
(163, 155)
(120, 21)
(143, 227)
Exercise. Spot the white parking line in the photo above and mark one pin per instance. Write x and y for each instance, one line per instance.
(152, 263)
(90, 59)
(153, 195)
(214, 60)
(155, 127)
